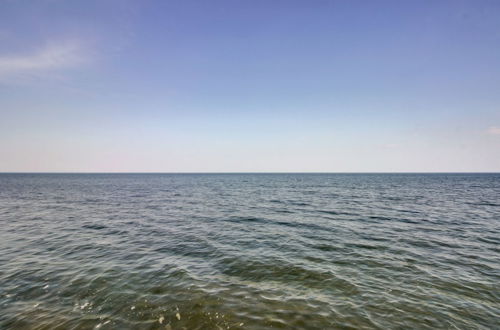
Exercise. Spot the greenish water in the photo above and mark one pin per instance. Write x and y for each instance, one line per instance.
(249, 251)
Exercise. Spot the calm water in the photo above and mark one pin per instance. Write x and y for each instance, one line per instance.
(248, 251)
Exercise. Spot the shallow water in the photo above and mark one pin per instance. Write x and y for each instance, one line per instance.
(249, 251)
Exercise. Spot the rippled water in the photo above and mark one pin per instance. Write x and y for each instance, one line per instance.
(250, 251)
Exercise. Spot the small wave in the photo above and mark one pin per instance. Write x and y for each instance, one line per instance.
(95, 227)
(366, 246)
(279, 271)
(484, 204)
(325, 247)
(247, 219)
(92, 200)
(283, 211)
(374, 217)
(329, 212)
(299, 203)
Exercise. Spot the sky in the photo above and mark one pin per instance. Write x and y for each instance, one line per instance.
(249, 86)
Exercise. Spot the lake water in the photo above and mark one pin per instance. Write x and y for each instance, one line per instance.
(249, 251)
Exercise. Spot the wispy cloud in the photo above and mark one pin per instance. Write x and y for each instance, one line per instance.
(50, 58)
(493, 130)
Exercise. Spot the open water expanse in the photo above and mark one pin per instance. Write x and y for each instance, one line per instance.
(249, 251)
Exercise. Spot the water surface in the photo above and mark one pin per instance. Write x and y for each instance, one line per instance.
(249, 251)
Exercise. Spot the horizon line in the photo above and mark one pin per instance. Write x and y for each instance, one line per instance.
(237, 172)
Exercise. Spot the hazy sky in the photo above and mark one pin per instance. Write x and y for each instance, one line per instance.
(182, 86)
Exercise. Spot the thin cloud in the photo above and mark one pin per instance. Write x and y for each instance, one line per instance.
(494, 130)
(50, 58)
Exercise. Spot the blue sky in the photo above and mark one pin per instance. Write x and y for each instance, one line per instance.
(217, 86)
